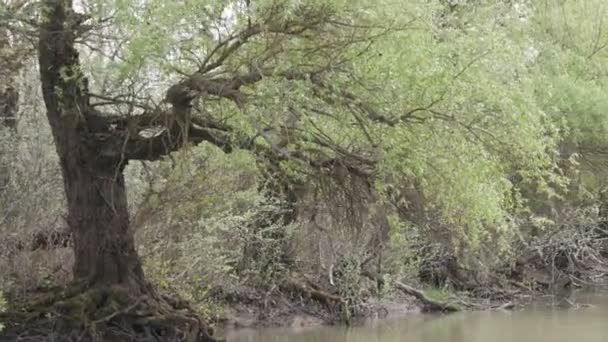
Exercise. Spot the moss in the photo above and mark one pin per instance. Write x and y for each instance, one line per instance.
(104, 312)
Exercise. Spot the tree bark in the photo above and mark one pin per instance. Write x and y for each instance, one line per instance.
(104, 246)
(98, 218)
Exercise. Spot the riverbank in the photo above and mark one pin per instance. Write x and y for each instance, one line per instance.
(538, 322)
(244, 310)
(284, 310)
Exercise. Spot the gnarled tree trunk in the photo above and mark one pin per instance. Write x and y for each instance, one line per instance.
(93, 149)
(92, 157)
(98, 218)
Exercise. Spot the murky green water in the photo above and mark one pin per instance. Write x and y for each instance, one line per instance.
(538, 323)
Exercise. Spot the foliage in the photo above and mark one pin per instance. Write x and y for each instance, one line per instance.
(445, 114)
(570, 78)
(455, 128)
(214, 199)
(465, 110)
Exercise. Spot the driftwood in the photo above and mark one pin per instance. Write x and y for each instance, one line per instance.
(476, 306)
(314, 292)
(428, 303)
(504, 307)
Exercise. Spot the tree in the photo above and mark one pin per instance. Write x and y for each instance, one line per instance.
(94, 147)
(316, 89)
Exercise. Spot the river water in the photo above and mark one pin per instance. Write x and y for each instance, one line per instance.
(536, 323)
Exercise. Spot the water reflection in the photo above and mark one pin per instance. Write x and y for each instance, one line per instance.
(539, 323)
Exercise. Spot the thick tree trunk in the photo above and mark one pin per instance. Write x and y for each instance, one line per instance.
(104, 247)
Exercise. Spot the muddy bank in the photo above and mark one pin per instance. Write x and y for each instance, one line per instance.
(537, 322)
(245, 308)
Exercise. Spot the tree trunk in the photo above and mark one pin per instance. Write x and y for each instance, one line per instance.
(104, 246)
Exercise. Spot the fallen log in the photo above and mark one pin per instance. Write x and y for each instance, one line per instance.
(428, 303)
(504, 307)
(314, 293)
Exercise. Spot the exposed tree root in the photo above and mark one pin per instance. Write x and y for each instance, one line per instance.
(104, 314)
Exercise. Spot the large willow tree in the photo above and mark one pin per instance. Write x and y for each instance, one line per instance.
(308, 44)
(94, 147)
(349, 89)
